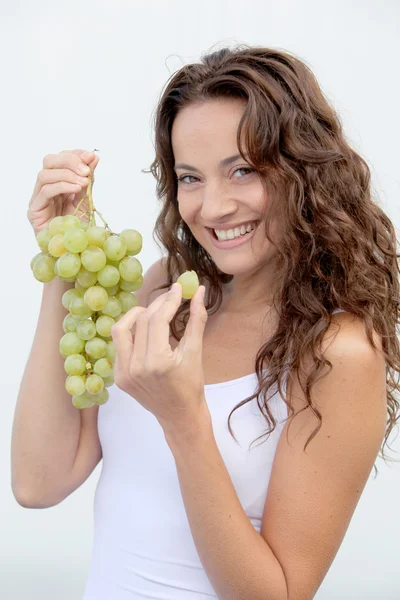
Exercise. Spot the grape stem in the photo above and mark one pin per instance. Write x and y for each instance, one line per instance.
(92, 208)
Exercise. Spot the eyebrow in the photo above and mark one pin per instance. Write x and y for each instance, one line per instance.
(223, 163)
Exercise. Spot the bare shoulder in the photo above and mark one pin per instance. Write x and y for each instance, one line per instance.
(313, 493)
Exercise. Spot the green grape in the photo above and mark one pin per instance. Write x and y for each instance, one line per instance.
(75, 364)
(75, 385)
(94, 384)
(70, 323)
(113, 263)
(86, 278)
(43, 268)
(43, 239)
(110, 351)
(96, 236)
(79, 309)
(84, 225)
(75, 240)
(56, 226)
(115, 247)
(112, 291)
(127, 300)
(103, 325)
(108, 381)
(70, 279)
(189, 282)
(70, 295)
(100, 398)
(130, 268)
(108, 276)
(68, 264)
(96, 348)
(96, 297)
(56, 245)
(113, 308)
(103, 367)
(70, 343)
(93, 258)
(133, 240)
(38, 255)
(86, 329)
(82, 401)
(70, 222)
(79, 287)
(131, 286)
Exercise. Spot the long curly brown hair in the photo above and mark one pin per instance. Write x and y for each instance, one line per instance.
(338, 247)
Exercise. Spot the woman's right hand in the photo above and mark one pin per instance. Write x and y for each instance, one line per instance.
(60, 186)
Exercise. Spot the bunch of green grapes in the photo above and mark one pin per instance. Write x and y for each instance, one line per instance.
(106, 274)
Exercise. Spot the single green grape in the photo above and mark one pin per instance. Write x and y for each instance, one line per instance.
(93, 258)
(82, 401)
(100, 398)
(131, 286)
(56, 226)
(112, 291)
(104, 324)
(43, 268)
(103, 367)
(86, 278)
(96, 236)
(86, 330)
(113, 308)
(96, 297)
(70, 323)
(79, 309)
(96, 348)
(34, 259)
(130, 268)
(115, 247)
(75, 385)
(70, 295)
(108, 276)
(94, 384)
(70, 222)
(108, 381)
(75, 240)
(75, 364)
(110, 352)
(71, 343)
(127, 300)
(190, 283)
(43, 238)
(70, 279)
(56, 245)
(68, 264)
(78, 287)
(133, 240)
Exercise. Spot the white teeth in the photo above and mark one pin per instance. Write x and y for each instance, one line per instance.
(231, 234)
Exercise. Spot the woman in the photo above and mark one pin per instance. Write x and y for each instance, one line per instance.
(248, 150)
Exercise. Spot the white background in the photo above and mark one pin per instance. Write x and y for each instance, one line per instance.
(88, 75)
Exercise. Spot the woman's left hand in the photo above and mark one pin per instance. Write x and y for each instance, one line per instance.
(169, 384)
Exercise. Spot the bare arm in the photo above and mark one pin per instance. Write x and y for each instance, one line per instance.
(46, 426)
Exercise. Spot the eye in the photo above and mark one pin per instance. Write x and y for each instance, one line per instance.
(181, 179)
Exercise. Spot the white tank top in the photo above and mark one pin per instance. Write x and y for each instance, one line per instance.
(142, 546)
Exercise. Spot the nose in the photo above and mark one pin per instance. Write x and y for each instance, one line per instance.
(217, 203)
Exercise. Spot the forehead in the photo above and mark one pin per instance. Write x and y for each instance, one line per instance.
(206, 125)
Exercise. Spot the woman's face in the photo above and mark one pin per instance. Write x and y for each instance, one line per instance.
(212, 195)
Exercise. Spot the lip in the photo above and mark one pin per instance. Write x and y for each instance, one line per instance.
(227, 244)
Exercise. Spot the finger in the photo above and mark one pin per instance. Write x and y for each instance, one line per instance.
(192, 341)
(123, 336)
(140, 349)
(159, 331)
